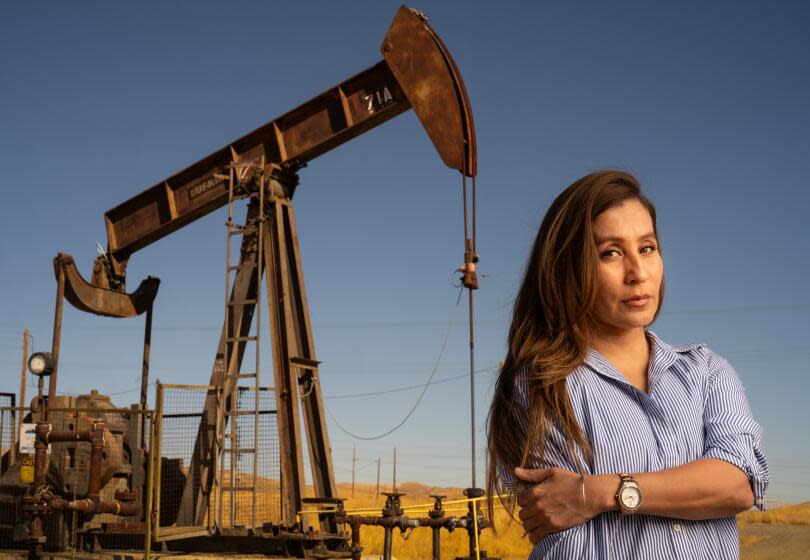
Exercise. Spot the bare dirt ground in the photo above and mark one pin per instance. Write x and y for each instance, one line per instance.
(778, 542)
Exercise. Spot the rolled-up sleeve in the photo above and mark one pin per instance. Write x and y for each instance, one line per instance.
(556, 453)
(731, 432)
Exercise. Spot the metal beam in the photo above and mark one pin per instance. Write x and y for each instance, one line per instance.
(308, 381)
(417, 71)
(283, 338)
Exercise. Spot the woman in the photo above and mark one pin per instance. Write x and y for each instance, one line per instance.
(628, 447)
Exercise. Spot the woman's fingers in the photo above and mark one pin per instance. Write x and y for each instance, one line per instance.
(528, 512)
(531, 495)
(534, 475)
(532, 523)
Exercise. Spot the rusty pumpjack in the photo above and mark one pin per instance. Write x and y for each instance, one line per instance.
(417, 71)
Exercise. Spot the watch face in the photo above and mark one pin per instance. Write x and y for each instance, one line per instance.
(630, 497)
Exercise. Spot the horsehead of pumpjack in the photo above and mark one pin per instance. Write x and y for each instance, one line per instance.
(418, 72)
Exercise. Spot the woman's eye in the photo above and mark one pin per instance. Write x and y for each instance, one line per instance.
(648, 249)
(609, 253)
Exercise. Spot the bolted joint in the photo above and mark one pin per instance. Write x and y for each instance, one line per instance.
(41, 433)
(469, 278)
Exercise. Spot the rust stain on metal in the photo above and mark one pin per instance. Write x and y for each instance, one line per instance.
(417, 71)
(102, 301)
(428, 74)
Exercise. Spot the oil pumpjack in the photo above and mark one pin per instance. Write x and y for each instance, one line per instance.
(418, 72)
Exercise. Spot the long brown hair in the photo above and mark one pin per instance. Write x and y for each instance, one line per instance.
(551, 328)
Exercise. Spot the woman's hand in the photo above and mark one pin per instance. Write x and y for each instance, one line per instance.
(554, 503)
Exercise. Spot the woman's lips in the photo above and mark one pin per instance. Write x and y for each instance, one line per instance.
(639, 301)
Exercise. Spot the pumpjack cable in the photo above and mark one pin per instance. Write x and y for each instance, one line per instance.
(421, 395)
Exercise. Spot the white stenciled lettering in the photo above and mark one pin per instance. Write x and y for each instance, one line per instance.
(378, 99)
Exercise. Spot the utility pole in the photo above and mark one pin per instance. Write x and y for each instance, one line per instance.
(354, 462)
(23, 377)
(378, 477)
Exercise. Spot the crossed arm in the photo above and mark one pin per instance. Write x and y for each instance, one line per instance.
(701, 489)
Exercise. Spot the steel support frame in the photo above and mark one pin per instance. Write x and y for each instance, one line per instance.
(295, 367)
(296, 382)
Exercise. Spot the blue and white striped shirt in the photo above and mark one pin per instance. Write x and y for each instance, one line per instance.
(696, 408)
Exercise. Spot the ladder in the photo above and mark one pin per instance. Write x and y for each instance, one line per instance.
(238, 453)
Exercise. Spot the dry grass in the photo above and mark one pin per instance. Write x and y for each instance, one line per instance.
(507, 541)
(798, 514)
(507, 544)
(791, 544)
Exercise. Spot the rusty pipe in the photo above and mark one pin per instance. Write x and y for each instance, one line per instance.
(402, 522)
(58, 437)
(40, 473)
(387, 544)
(436, 540)
(95, 436)
(357, 549)
(94, 505)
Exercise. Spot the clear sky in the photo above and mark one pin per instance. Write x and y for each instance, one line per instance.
(708, 103)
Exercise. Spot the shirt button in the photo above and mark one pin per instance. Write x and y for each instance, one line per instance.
(676, 526)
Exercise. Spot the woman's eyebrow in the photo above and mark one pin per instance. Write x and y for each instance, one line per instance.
(615, 239)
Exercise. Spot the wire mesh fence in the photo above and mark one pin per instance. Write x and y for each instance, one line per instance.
(179, 423)
(8, 421)
(256, 463)
(238, 486)
(120, 473)
(9, 493)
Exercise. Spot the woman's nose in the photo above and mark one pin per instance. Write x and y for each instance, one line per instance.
(636, 270)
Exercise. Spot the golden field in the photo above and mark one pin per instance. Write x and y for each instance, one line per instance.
(782, 532)
(508, 544)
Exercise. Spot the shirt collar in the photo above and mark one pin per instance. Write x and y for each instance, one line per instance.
(662, 356)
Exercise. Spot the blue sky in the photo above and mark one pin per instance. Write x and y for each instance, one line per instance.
(709, 104)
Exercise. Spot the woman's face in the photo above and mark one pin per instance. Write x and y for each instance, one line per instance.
(630, 268)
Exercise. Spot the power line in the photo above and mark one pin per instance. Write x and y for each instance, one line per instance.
(122, 392)
(421, 395)
(204, 325)
(407, 387)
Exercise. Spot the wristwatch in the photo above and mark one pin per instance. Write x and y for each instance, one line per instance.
(629, 495)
